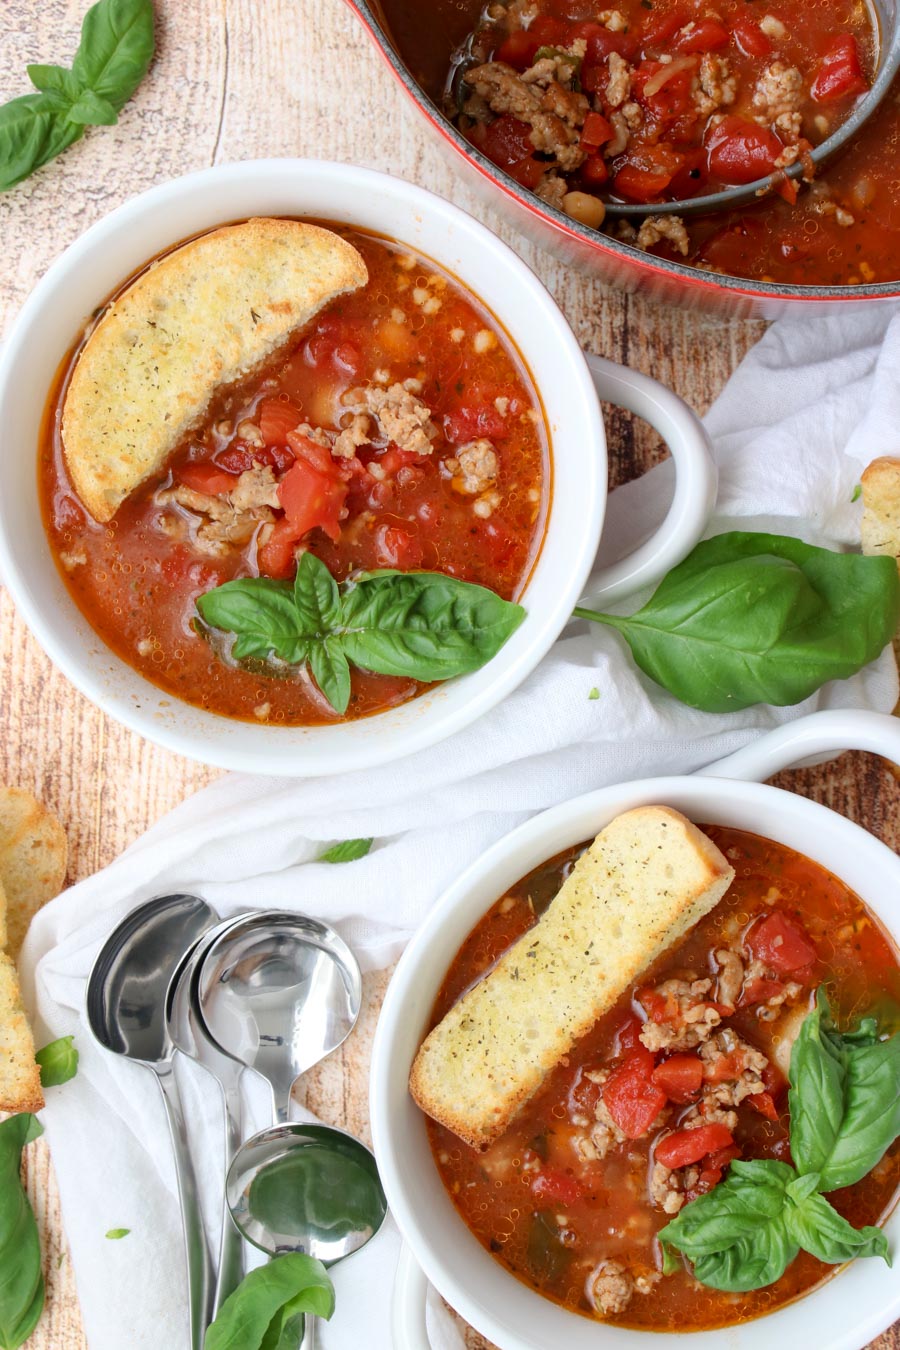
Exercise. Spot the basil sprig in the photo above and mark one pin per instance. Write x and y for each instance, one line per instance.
(266, 1310)
(844, 1098)
(760, 618)
(844, 1105)
(116, 48)
(423, 625)
(21, 1280)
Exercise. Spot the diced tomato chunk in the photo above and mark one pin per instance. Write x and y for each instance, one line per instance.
(472, 419)
(551, 31)
(680, 1077)
(584, 1093)
(764, 1103)
(740, 151)
(528, 171)
(556, 1186)
(780, 943)
(714, 1166)
(641, 185)
(659, 28)
(702, 35)
(759, 991)
(601, 42)
(593, 172)
(631, 1097)
(275, 558)
(597, 130)
(507, 141)
(396, 548)
(204, 476)
(276, 419)
(774, 1080)
(518, 50)
(750, 38)
(688, 1146)
(840, 72)
(628, 1035)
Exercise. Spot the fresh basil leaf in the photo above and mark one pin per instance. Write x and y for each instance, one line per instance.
(331, 671)
(871, 1120)
(116, 1234)
(58, 1061)
(670, 1262)
(819, 1229)
(263, 615)
(316, 597)
(736, 1236)
(21, 1281)
(89, 109)
(761, 618)
(56, 80)
(267, 1300)
(818, 1076)
(844, 1098)
(346, 851)
(424, 625)
(31, 133)
(116, 49)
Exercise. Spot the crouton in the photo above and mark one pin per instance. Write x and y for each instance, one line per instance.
(648, 877)
(203, 316)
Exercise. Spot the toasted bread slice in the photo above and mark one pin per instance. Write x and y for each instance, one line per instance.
(205, 315)
(880, 526)
(33, 853)
(648, 877)
(20, 1077)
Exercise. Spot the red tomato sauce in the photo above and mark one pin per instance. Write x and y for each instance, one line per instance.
(671, 99)
(551, 1215)
(136, 579)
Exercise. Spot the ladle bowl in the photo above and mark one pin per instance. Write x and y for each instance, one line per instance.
(279, 992)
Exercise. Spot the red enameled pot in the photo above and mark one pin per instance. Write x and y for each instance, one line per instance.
(627, 268)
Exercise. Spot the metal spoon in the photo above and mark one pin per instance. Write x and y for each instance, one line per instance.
(126, 1000)
(306, 1188)
(279, 992)
(188, 1032)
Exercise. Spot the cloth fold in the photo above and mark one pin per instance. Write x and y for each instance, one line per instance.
(809, 406)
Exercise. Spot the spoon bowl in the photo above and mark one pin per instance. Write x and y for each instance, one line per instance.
(279, 992)
(306, 1188)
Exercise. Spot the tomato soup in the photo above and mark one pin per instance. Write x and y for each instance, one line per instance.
(399, 430)
(567, 1202)
(786, 71)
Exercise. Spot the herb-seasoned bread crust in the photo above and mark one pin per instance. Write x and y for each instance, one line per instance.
(20, 1077)
(203, 316)
(648, 877)
(33, 854)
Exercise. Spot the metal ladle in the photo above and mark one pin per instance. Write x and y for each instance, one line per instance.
(126, 1001)
(306, 1188)
(188, 1031)
(279, 992)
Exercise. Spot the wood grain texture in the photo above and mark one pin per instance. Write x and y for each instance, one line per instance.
(236, 79)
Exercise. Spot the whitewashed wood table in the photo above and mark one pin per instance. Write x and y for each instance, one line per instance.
(238, 79)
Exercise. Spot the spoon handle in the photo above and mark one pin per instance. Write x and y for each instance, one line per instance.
(199, 1264)
(310, 1335)
(231, 1254)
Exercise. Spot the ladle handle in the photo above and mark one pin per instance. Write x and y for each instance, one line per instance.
(231, 1251)
(199, 1264)
(310, 1334)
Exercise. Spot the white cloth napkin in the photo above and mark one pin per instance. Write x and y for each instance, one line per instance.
(811, 404)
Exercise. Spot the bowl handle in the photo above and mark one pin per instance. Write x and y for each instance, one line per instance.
(695, 480)
(408, 1307)
(809, 738)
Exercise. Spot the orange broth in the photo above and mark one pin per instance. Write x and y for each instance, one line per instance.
(553, 1245)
